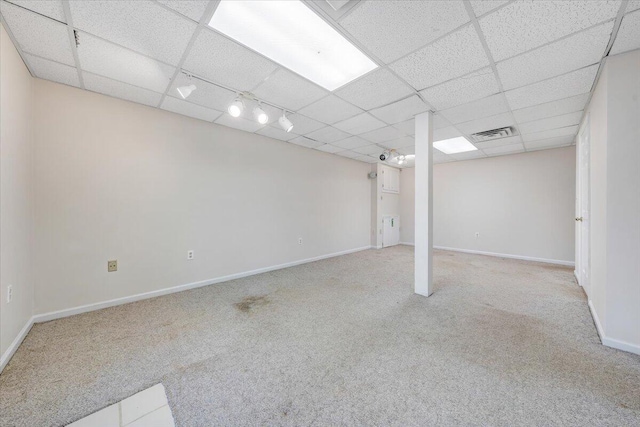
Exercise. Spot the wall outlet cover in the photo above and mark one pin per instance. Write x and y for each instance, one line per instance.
(112, 266)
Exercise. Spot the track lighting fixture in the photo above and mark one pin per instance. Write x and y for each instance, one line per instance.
(285, 123)
(185, 91)
(260, 116)
(236, 108)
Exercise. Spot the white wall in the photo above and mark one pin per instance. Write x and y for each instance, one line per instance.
(117, 180)
(614, 113)
(16, 193)
(522, 205)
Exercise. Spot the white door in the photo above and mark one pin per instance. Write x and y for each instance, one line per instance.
(583, 260)
(390, 231)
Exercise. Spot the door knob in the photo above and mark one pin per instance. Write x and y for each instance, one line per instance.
(579, 219)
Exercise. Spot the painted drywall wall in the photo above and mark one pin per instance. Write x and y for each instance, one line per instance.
(614, 289)
(522, 205)
(16, 192)
(117, 180)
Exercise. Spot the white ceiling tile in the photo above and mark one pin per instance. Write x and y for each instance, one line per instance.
(412, 150)
(546, 134)
(571, 84)
(189, 8)
(485, 107)
(288, 90)
(238, 123)
(445, 133)
(351, 143)
(405, 141)
(38, 35)
(504, 149)
(468, 155)
(103, 58)
(371, 150)
(54, 71)
(330, 110)
(142, 26)
(120, 90)
(453, 56)
(359, 124)
(487, 123)
(51, 8)
(408, 126)
(328, 148)
(550, 109)
(401, 110)
(385, 134)
(276, 133)
(306, 142)
(551, 123)
(577, 51)
(476, 85)
(188, 109)
(303, 125)
(391, 29)
(628, 37)
(377, 88)
(366, 159)
(439, 121)
(327, 135)
(499, 142)
(560, 141)
(480, 7)
(524, 25)
(206, 94)
(632, 5)
(223, 61)
(349, 154)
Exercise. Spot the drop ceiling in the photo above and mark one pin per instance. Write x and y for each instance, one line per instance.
(477, 65)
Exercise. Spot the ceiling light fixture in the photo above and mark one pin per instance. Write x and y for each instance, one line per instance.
(454, 145)
(185, 91)
(260, 116)
(291, 34)
(236, 108)
(285, 123)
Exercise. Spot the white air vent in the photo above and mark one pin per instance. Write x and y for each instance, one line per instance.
(489, 135)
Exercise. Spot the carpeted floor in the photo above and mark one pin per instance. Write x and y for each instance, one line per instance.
(342, 341)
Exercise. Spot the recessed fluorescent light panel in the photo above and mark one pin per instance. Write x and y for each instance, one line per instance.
(454, 145)
(291, 34)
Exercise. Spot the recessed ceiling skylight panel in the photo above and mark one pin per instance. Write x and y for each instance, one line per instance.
(292, 35)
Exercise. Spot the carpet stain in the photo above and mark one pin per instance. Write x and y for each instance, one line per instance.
(250, 303)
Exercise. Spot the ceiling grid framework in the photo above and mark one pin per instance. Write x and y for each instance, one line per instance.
(491, 64)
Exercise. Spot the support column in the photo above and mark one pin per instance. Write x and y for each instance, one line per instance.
(424, 205)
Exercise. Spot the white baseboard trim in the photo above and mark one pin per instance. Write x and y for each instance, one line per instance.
(4, 359)
(45, 317)
(611, 342)
(407, 243)
(521, 257)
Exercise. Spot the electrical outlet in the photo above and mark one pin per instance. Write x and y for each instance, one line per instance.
(299, 240)
(477, 234)
(190, 255)
(112, 265)
(9, 293)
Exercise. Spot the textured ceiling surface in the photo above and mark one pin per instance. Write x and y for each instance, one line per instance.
(478, 65)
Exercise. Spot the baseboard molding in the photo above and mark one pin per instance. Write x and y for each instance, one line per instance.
(611, 342)
(521, 257)
(53, 315)
(4, 359)
(407, 243)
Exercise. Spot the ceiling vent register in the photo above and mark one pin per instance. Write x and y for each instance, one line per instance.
(490, 135)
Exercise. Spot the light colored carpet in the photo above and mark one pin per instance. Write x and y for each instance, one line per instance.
(342, 341)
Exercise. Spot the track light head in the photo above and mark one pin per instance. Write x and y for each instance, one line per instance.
(236, 108)
(260, 116)
(285, 123)
(185, 91)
